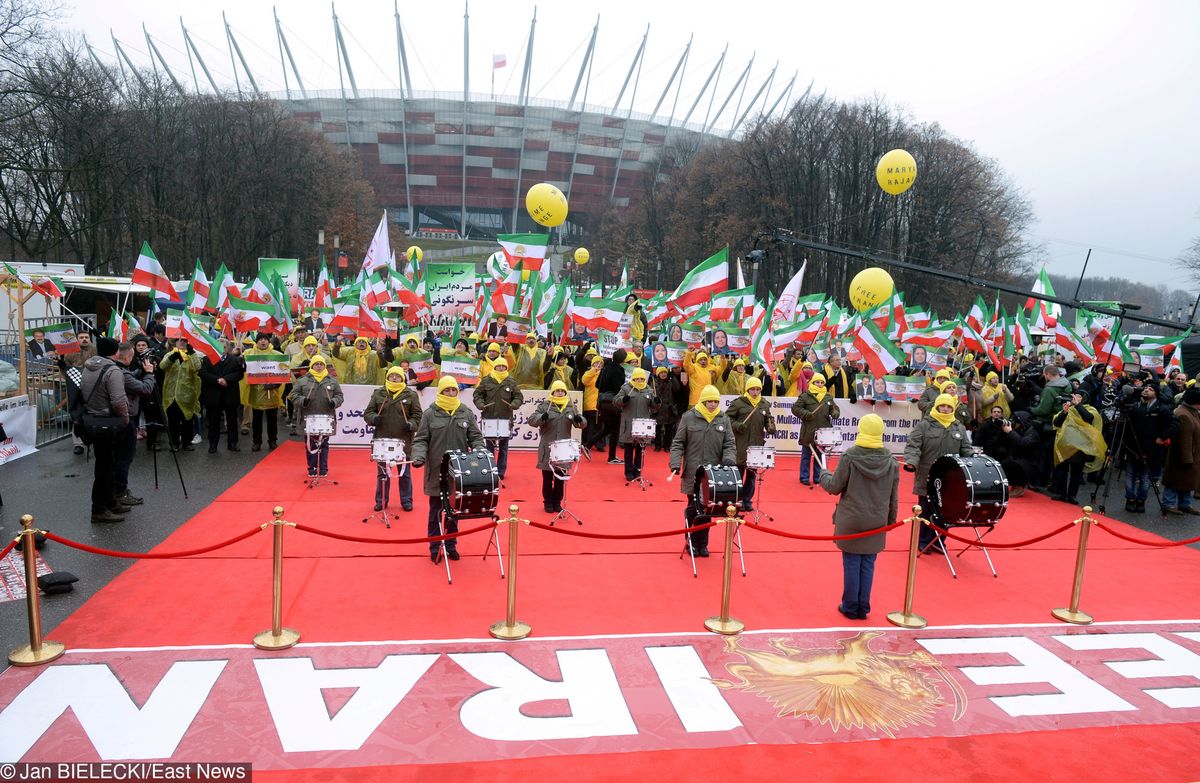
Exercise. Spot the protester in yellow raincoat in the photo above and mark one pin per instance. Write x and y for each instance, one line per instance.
(1079, 447)
(362, 363)
(181, 394)
(702, 370)
(527, 371)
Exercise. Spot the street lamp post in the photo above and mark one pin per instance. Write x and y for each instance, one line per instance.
(320, 248)
(337, 245)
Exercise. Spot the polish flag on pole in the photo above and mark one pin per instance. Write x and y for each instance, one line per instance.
(149, 272)
(498, 61)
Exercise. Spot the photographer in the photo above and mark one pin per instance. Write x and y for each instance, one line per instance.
(138, 377)
(1144, 446)
(637, 329)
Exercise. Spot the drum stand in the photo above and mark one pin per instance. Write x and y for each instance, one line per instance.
(383, 516)
(312, 482)
(760, 479)
(946, 554)
(687, 549)
(494, 539)
(566, 512)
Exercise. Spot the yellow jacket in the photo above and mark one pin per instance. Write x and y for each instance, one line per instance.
(591, 394)
(699, 377)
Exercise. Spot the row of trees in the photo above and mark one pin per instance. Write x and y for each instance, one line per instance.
(813, 172)
(90, 166)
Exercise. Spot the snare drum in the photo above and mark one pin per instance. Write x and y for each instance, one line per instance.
(470, 484)
(318, 424)
(760, 457)
(388, 451)
(565, 451)
(828, 439)
(496, 428)
(717, 486)
(644, 429)
(967, 490)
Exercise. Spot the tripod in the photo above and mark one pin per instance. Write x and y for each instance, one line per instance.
(760, 479)
(154, 451)
(384, 515)
(565, 513)
(1120, 440)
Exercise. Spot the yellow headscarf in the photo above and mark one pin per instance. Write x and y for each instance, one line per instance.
(360, 355)
(395, 387)
(499, 370)
(739, 363)
(870, 432)
(989, 377)
(560, 403)
(639, 378)
(753, 383)
(706, 394)
(444, 401)
(944, 419)
(940, 379)
(323, 374)
(310, 340)
(817, 391)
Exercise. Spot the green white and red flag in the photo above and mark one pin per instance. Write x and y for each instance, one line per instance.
(148, 272)
(881, 354)
(199, 338)
(932, 336)
(706, 279)
(198, 289)
(528, 250)
(594, 314)
(1065, 337)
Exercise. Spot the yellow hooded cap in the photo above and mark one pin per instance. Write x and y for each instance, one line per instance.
(944, 419)
(310, 340)
(709, 393)
(870, 432)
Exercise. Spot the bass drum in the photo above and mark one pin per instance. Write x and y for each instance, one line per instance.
(470, 484)
(717, 486)
(968, 490)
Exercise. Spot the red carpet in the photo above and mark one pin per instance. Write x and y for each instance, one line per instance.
(336, 592)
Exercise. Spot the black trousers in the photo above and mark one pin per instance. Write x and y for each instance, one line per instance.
(692, 516)
(126, 448)
(434, 528)
(665, 433)
(104, 455)
(179, 427)
(271, 415)
(610, 427)
(591, 430)
(215, 414)
(552, 489)
(928, 534)
(749, 481)
(633, 461)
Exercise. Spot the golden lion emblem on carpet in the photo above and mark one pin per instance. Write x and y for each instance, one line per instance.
(850, 686)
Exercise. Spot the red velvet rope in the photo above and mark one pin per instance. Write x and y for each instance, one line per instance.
(363, 540)
(990, 545)
(4, 552)
(847, 537)
(614, 537)
(1144, 542)
(151, 555)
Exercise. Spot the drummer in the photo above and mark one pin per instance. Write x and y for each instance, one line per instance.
(933, 437)
(816, 410)
(636, 400)
(554, 418)
(703, 437)
(316, 394)
(497, 397)
(751, 420)
(395, 412)
(445, 426)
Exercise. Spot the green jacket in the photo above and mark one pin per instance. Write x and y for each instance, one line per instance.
(440, 432)
(698, 443)
(751, 424)
(394, 417)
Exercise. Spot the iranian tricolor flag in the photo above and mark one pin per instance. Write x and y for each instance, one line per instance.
(1170, 345)
(656, 310)
(148, 272)
(507, 293)
(706, 279)
(1047, 314)
(762, 341)
(244, 315)
(529, 250)
(729, 305)
(593, 314)
(932, 336)
(48, 286)
(118, 327)
(198, 290)
(881, 354)
(1021, 338)
(977, 318)
(220, 289)
(810, 305)
(412, 296)
(323, 295)
(375, 289)
(1066, 338)
(199, 338)
(918, 318)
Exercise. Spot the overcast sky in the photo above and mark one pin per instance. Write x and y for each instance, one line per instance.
(1092, 108)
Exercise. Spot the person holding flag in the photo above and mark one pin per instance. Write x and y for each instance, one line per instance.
(701, 371)
(751, 420)
(362, 363)
(497, 398)
(264, 399)
(219, 386)
(181, 393)
(314, 394)
(491, 355)
(637, 326)
(996, 394)
(395, 412)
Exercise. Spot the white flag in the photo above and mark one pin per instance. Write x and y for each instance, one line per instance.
(379, 254)
(785, 307)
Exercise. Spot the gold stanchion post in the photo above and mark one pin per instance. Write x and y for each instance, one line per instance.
(725, 624)
(907, 619)
(511, 629)
(39, 650)
(277, 637)
(1072, 614)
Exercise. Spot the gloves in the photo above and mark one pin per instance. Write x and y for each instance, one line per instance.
(910, 468)
(420, 464)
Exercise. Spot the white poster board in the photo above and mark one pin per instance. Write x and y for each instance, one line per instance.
(899, 419)
(353, 431)
(20, 427)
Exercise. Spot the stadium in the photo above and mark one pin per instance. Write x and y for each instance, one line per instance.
(456, 164)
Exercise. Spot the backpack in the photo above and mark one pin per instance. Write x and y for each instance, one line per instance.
(89, 427)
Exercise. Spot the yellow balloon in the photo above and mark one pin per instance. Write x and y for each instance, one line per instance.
(546, 205)
(870, 288)
(896, 172)
(524, 275)
(582, 256)
(414, 254)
